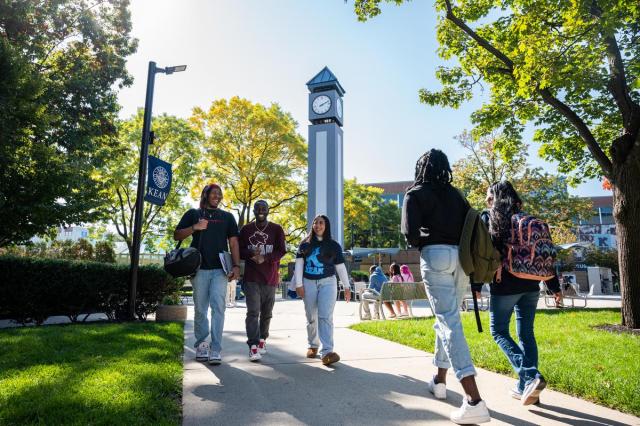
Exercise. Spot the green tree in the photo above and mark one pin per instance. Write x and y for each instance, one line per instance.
(292, 216)
(61, 63)
(369, 221)
(544, 194)
(571, 68)
(254, 152)
(485, 164)
(105, 252)
(176, 142)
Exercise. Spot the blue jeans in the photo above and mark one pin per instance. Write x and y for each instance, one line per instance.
(446, 283)
(209, 289)
(319, 301)
(523, 357)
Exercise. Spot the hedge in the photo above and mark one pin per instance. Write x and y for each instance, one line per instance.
(360, 276)
(33, 289)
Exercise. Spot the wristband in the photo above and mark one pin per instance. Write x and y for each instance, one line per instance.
(236, 266)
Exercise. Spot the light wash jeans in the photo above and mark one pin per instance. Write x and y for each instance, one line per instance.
(209, 289)
(523, 357)
(446, 284)
(369, 296)
(319, 301)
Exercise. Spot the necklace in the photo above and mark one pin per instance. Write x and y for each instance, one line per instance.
(265, 227)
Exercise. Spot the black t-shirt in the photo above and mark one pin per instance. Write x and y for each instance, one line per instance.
(222, 226)
(320, 258)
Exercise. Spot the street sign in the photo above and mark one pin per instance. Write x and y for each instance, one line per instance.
(158, 181)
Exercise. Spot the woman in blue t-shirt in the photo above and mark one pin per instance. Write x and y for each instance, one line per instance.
(318, 260)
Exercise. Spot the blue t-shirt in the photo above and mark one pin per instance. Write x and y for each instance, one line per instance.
(320, 258)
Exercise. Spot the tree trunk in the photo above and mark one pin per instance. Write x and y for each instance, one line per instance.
(626, 210)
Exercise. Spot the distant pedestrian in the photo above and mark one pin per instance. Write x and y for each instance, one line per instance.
(262, 245)
(318, 260)
(510, 293)
(372, 294)
(407, 276)
(433, 216)
(231, 293)
(212, 228)
(396, 277)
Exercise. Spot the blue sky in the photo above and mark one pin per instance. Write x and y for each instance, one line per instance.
(266, 50)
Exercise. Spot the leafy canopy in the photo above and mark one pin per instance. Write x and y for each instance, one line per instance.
(176, 142)
(61, 62)
(555, 63)
(254, 152)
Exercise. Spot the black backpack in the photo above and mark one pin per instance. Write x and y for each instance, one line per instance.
(183, 262)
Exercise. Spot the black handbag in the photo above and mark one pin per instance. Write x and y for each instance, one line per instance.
(183, 262)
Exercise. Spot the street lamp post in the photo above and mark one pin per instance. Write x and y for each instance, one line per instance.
(142, 171)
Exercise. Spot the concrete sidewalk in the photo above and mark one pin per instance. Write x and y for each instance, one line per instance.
(377, 382)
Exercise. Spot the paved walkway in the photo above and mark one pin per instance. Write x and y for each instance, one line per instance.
(377, 382)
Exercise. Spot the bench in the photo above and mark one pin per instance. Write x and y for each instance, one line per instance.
(484, 300)
(394, 292)
(572, 293)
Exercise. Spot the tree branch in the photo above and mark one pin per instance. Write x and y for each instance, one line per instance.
(557, 104)
(582, 129)
(617, 75)
(480, 40)
(293, 197)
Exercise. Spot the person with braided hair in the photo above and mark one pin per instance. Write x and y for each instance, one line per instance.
(433, 215)
(214, 231)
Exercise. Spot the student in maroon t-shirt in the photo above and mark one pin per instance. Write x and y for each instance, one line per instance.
(262, 245)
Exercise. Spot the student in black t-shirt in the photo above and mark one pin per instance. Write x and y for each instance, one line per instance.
(318, 260)
(211, 228)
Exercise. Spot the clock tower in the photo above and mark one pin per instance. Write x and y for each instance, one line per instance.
(325, 151)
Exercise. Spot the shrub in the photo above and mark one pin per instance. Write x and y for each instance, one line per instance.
(82, 249)
(31, 290)
(104, 252)
(360, 276)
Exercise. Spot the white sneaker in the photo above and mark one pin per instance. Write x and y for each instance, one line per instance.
(439, 390)
(515, 393)
(202, 352)
(469, 414)
(532, 391)
(254, 355)
(215, 358)
(262, 347)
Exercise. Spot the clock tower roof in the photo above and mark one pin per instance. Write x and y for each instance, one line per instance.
(325, 80)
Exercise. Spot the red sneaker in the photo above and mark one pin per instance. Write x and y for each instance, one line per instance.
(262, 347)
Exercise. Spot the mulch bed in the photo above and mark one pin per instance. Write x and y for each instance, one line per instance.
(617, 328)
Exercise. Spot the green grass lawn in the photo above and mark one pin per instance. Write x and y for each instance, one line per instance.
(574, 358)
(127, 374)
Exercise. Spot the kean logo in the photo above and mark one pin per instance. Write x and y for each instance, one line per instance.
(158, 181)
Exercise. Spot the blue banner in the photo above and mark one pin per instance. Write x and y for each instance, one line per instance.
(158, 181)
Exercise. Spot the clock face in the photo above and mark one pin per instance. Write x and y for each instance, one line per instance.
(339, 107)
(321, 104)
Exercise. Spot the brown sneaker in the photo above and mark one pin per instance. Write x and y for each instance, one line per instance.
(330, 358)
(312, 352)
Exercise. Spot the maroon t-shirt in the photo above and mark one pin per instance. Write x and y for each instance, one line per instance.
(270, 241)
